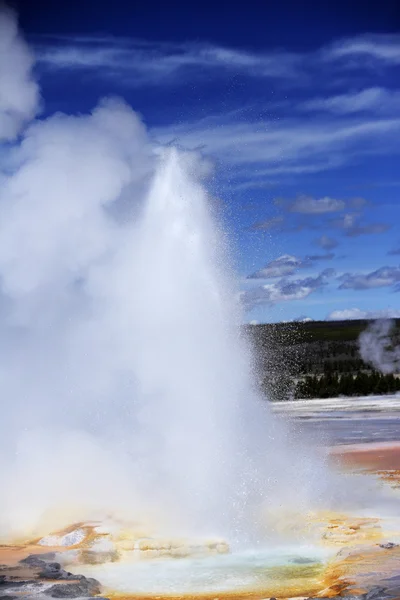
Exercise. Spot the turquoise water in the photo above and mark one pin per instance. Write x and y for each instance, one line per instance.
(246, 571)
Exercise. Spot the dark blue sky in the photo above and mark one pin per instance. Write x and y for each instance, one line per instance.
(297, 103)
(258, 25)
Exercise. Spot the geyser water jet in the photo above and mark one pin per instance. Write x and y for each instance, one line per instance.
(126, 385)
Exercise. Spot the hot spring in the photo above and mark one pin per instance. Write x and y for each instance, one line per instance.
(129, 404)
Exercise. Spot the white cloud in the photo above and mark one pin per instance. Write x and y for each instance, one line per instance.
(357, 313)
(286, 290)
(264, 177)
(383, 277)
(347, 313)
(289, 142)
(281, 293)
(280, 267)
(370, 99)
(19, 93)
(155, 62)
(369, 49)
(278, 148)
(146, 63)
(287, 265)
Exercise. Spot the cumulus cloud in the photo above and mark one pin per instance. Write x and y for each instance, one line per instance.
(19, 93)
(357, 313)
(287, 264)
(383, 277)
(280, 267)
(326, 242)
(286, 290)
(293, 290)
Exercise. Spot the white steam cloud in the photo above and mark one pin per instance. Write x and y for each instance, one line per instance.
(19, 93)
(377, 349)
(124, 386)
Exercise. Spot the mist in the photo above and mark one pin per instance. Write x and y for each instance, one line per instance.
(126, 386)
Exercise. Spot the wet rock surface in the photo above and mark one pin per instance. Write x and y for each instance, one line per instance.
(375, 593)
(37, 560)
(39, 577)
(85, 587)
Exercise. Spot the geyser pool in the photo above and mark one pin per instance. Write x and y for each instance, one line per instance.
(282, 570)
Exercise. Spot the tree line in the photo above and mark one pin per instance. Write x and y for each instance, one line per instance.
(331, 384)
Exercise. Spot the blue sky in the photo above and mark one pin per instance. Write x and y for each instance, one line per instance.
(298, 105)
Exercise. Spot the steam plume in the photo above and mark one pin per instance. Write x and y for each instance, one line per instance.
(125, 386)
(376, 346)
(19, 93)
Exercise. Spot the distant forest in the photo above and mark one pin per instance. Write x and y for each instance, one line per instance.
(317, 359)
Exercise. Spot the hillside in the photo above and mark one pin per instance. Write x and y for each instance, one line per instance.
(316, 359)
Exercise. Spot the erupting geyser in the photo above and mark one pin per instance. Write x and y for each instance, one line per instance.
(126, 386)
